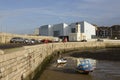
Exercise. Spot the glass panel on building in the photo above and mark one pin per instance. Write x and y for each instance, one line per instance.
(56, 33)
(73, 30)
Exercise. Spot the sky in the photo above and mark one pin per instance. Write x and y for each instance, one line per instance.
(23, 16)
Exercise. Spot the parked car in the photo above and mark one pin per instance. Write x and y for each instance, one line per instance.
(99, 40)
(33, 41)
(56, 39)
(17, 40)
(84, 40)
(27, 41)
(46, 41)
(39, 40)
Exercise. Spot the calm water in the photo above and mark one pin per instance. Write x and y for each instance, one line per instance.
(106, 70)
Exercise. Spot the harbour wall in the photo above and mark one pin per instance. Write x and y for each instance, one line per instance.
(26, 63)
(5, 37)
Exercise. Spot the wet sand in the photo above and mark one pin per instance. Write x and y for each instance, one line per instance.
(108, 66)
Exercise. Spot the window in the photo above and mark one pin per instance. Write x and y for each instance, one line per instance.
(73, 30)
(56, 33)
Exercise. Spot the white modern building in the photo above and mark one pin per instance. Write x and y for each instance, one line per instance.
(83, 30)
(46, 30)
(60, 30)
(56, 30)
(74, 32)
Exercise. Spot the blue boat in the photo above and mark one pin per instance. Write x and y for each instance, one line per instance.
(86, 66)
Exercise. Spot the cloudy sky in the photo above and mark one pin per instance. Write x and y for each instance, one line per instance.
(23, 16)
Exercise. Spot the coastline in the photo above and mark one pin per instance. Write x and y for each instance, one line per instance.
(111, 54)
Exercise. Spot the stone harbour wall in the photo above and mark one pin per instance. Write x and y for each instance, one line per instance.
(25, 64)
(5, 37)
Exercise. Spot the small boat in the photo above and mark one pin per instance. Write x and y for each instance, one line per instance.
(62, 61)
(86, 66)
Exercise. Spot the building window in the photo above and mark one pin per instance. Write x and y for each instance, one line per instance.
(73, 30)
(56, 33)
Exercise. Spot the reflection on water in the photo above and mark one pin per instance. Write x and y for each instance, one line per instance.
(105, 70)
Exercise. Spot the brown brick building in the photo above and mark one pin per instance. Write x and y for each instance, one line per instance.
(115, 32)
(103, 32)
(112, 32)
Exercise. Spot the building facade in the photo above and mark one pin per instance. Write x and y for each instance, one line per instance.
(45, 30)
(86, 30)
(112, 32)
(103, 32)
(115, 32)
(60, 30)
(74, 32)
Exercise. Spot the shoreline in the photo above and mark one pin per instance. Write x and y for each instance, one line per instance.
(111, 54)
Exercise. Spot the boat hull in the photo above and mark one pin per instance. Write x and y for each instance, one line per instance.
(85, 66)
